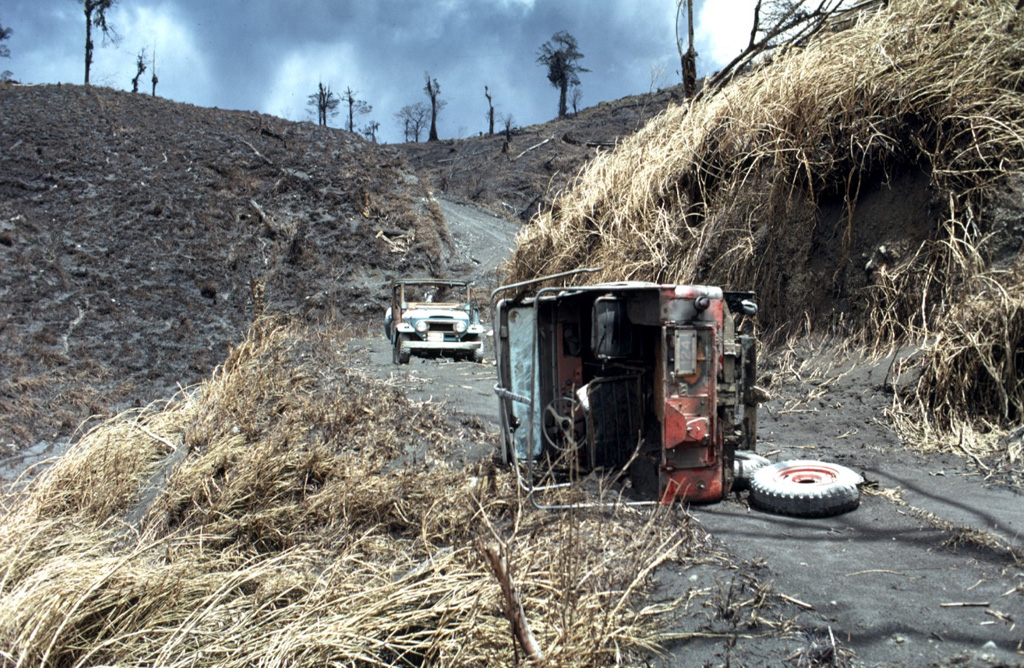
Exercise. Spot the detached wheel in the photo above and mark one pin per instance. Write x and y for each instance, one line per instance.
(744, 464)
(805, 488)
(400, 354)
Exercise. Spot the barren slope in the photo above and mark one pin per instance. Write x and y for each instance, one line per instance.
(133, 231)
(520, 173)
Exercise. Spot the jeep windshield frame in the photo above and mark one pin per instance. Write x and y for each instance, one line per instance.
(407, 292)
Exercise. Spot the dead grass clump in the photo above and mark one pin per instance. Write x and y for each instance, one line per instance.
(101, 475)
(975, 361)
(965, 390)
(258, 518)
(730, 190)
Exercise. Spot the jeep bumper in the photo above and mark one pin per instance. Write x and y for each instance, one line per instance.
(443, 345)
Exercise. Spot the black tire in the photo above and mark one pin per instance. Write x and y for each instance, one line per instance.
(744, 464)
(400, 354)
(477, 355)
(805, 488)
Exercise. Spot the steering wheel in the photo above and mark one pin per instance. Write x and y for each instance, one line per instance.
(565, 425)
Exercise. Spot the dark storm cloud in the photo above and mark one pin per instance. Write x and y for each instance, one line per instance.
(269, 55)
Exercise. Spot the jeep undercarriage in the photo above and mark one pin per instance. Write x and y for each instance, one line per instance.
(652, 378)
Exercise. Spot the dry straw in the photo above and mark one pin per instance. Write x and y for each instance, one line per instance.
(757, 186)
(261, 519)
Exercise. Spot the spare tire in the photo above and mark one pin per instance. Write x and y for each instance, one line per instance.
(744, 464)
(805, 488)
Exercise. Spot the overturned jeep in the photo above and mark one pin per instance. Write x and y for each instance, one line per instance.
(653, 379)
(433, 317)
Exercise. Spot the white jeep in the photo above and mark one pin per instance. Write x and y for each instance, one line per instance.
(433, 317)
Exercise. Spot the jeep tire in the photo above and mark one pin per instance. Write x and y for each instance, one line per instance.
(744, 464)
(805, 488)
(401, 354)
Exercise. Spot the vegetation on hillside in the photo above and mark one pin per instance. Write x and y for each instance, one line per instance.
(272, 516)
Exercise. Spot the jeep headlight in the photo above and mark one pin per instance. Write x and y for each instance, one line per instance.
(460, 327)
(422, 326)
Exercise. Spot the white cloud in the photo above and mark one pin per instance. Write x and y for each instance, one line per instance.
(181, 63)
(723, 30)
(299, 72)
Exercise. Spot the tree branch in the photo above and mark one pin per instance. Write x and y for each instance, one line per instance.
(809, 24)
(513, 605)
(533, 147)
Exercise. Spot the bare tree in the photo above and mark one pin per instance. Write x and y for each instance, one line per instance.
(433, 91)
(154, 79)
(687, 59)
(370, 131)
(490, 111)
(140, 67)
(559, 55)
(508, 121)
(5, 51)
(96, 16)
(355, 106)
(414, 118)
(575, 97)
(788, 22)
(326, 103)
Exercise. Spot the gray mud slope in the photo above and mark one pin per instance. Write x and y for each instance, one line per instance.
(133, 231)
(930, 530)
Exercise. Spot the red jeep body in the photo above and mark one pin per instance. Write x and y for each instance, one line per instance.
(650, 377)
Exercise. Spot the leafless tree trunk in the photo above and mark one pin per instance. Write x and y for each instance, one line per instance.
(370, 131)
(687, 59)
(433, 90)
(509, 121)
(490, 111)
(355, 106)
(155, 80)
(140, 67)
(96, 15)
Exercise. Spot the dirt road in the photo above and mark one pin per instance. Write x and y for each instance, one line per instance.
(482, 242)
(926, 571)
(929, 533)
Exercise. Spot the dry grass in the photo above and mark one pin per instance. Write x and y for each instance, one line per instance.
(732, 190)
(259, 519)
(725, 191)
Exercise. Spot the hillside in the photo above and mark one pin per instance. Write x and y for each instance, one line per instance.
(308, 502)
(519, 174)
(135, 231)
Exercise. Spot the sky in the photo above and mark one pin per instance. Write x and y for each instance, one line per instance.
(269, 55)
